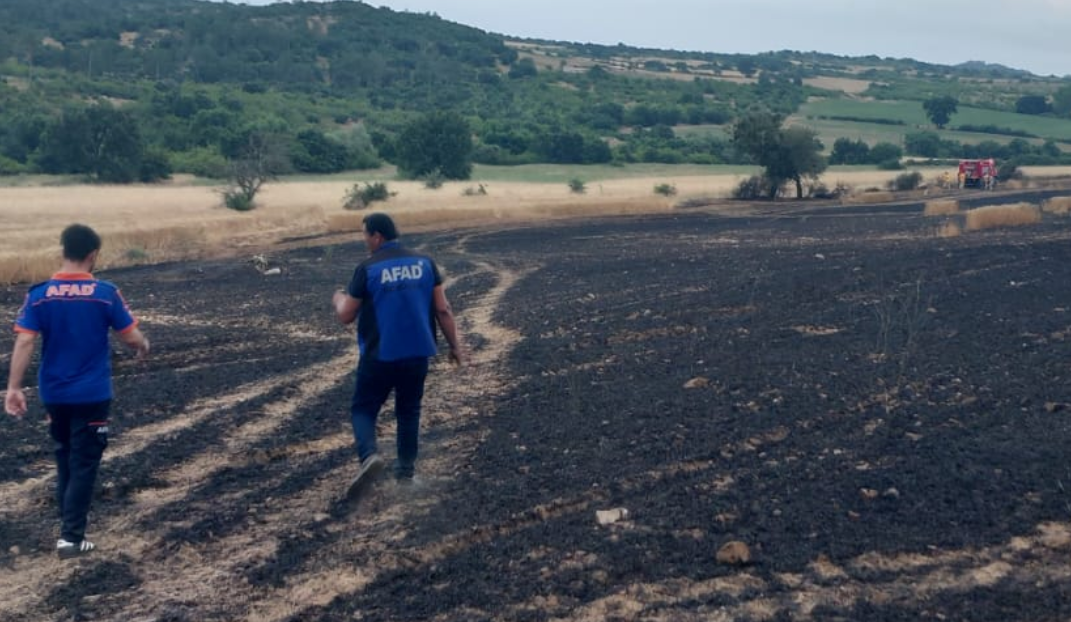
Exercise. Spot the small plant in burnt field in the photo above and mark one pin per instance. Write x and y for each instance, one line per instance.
(902, 316)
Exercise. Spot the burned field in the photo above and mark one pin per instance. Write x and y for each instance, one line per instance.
(880, 416)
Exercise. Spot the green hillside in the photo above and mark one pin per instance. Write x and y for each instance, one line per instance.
(186, 85)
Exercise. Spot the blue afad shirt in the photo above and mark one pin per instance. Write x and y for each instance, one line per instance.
(395, 288)
(74, 312)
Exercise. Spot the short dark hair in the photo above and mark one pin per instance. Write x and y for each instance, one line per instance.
(382, 224)
(78, 242)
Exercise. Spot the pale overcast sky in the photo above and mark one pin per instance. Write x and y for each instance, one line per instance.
(1026, 34)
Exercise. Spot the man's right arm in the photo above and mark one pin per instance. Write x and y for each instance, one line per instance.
(136, 340)
(15, 399)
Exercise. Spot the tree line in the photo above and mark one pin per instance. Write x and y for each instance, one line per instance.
(122, 91)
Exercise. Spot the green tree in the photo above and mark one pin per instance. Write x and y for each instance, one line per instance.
(883, 153)
(799, 157)
(314, 152)
(439, 140)
(940, 109)
(99, 141)
(1032, 104)
(1061, 101)
(786, 154)
(848, 151)
(924, 144)
(524, 68)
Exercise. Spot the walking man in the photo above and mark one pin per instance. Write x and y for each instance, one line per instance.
(397, 298)
(74, 312)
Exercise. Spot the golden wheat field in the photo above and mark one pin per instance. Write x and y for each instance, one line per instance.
(148, 224)
(182, 219)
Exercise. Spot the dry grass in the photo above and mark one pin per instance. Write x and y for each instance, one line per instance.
(180, 220)
(1057, 205)
(950, 229)
(994, 216)
(432, 218)
(941, 207)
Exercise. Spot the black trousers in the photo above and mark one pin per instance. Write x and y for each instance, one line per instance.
(81, 434)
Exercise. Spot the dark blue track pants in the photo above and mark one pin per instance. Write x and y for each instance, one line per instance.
(81, 434)
(375, 381)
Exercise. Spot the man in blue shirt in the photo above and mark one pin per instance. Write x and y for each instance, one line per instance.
(397, 296)
(73, 312)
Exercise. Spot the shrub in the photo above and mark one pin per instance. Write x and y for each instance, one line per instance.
(993, 216)
(577, 186)
(754, 187)
(359, 198)
(890, 165)
(1009, 170)
(10, 167)
(822, 191)
(907, 181)
(666, 190)
(434, 180)
(942, 207)
(238, 200)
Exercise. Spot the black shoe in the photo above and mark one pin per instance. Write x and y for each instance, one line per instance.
(370, 470)
(67, 550)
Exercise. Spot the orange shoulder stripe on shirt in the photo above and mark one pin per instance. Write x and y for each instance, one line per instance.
(72, 276)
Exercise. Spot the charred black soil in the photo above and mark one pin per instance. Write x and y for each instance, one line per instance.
(879, 414)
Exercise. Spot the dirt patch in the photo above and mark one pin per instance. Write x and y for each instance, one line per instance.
(877, 421)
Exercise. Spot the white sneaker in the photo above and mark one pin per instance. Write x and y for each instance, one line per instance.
(67, 550)
(370, 469)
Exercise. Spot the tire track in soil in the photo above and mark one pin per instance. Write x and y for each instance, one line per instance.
(195, 575)
(31, 576)
(368, 545)
(135, 441)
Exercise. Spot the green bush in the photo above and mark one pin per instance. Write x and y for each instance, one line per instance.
(577, 186)
(752, 188)
(358, 198)
(907, 181)
(434, 180)
(11, 167)
(666, 190)
(890, 165)
(238, 200)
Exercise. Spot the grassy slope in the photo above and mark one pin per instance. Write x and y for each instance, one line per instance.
(913, 116)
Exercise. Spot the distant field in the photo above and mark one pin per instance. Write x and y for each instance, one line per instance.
(184, 219)
(829, 130)
(914, 118)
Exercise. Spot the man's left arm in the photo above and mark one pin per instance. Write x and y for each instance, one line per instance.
(444, 315)
(15, 399)
(346, 307)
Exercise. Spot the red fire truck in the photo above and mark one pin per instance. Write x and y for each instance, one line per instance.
(977, 173)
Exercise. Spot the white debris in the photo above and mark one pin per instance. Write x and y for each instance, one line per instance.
(609, 517)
